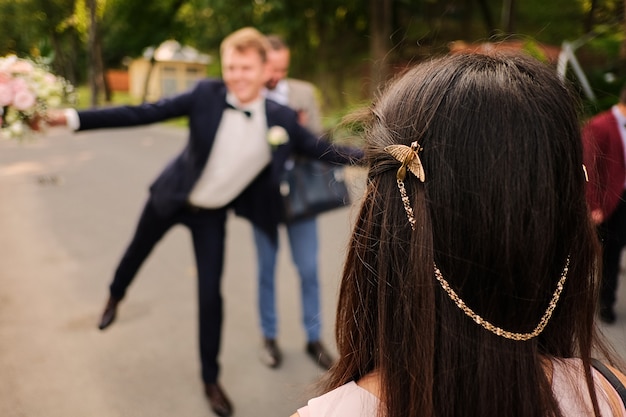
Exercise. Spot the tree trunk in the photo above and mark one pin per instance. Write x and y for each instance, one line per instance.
(590, 17)
(380, 43)
(508, 16)
(485, 12)
(100, 70)
(97, 79)
(622, 51)
(146, 84)
(93, 53)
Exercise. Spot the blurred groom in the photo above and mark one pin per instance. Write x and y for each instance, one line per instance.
(230, 161)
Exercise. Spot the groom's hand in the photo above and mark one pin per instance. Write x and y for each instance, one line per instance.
(55, 117)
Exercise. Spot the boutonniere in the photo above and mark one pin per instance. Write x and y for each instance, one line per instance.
(276, 136)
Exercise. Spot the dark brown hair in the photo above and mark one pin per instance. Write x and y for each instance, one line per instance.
(500, 211)
(276, 42)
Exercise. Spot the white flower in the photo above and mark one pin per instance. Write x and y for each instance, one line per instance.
(7, 62)
(276, 136)
(21, 66)
(54, 101)
(16, 129)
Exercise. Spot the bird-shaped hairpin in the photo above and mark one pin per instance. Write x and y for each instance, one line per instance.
(409, 158)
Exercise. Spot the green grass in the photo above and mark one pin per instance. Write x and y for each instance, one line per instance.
(119, 98)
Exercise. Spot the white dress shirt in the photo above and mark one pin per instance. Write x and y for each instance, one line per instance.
(280, 93)
(239, 153)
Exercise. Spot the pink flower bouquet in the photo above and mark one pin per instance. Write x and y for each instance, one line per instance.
(27, 89)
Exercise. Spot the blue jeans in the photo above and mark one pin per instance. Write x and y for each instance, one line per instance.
(303, 242)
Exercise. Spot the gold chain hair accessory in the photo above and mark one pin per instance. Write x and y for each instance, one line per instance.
(543, 322)
(410, 159)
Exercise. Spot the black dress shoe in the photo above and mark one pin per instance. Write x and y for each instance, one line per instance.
(108, 316)
(218, 400)
(319, 354)
(607, 315)
(270, 354)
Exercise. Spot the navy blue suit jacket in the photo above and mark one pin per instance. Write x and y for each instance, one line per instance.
(204, 105)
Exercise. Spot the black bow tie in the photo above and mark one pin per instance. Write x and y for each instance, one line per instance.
(248, 113)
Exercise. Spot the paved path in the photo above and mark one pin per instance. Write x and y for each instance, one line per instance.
(68, 204)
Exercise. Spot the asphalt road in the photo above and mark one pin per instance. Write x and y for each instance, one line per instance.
(68, 206)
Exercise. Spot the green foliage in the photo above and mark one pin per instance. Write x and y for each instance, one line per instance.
(128, 27)
(36, 28)
(606, 86)
(607, 43)
(552, 21)
(330, 39)
(532, 49)
(83, 98)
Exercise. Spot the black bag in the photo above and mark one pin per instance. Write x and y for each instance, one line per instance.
(310, 187)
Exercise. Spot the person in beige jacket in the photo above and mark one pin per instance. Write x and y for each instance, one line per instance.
(301, 97)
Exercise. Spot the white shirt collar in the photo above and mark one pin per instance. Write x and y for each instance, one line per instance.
(253, 105)
(621, 119)
(280, 93)
(256, 107)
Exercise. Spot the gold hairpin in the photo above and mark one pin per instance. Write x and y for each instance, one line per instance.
(498, 331)
(585, 171)
(409, 158)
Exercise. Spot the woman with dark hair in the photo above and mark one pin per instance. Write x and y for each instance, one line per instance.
(469, 287)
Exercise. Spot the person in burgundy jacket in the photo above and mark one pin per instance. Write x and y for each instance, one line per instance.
(603, 138)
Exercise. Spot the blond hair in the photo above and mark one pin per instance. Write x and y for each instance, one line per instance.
(244, 39)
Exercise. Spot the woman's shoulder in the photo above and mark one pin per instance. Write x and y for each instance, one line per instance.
(347, 400)
(570, 389)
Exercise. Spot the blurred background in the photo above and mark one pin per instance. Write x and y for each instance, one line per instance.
(348, 48)
(69, 202)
